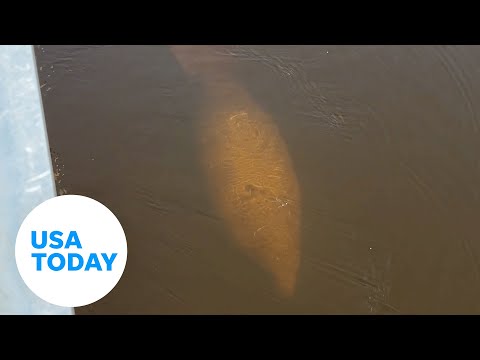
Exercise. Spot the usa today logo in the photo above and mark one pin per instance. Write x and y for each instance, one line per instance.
(72, 241)
(71, 251)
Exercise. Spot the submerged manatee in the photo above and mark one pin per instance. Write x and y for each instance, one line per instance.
(250, 173)
(255, 187)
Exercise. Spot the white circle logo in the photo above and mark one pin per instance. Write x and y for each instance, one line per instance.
(71, 250)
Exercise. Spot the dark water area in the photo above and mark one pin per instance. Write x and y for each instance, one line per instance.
(276, 179)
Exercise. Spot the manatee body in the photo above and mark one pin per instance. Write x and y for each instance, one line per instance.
(248, 167)
(256, 190)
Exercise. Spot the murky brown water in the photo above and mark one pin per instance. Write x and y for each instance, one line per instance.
(277, 179)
